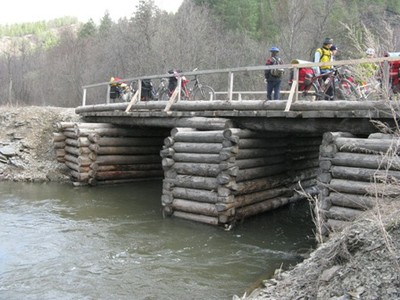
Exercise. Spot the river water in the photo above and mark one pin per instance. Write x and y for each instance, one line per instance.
(111, 242)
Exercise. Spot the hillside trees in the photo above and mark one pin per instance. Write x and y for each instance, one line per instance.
(203, 34)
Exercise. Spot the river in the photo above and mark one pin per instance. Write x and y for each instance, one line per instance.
(111, 242)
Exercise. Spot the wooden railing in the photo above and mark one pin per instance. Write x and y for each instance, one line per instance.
(293, 93)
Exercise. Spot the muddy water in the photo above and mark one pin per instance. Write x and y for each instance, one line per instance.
(60, 242)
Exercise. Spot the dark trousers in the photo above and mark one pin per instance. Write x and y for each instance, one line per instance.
(274, 86)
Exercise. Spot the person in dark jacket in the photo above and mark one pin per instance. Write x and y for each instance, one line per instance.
(273, 78)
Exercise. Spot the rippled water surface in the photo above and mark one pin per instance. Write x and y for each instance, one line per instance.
(111, 242)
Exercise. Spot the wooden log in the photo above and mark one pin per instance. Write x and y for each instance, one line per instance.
(127, 159)
(253, 173)
(210, 136)
(94, 181)
(195, 217)
(79, 176)
(194, 182)
(381, 136)
(167, 163)
(206, 209)
(362, 174)
(198, 158)
(80, 142)
(60, 126)
(77, 151)
(133, 167)
(167, 152)
(118, 131)
(306, 155)
(362, 188)
(251, 143)
(328, 150)
(206, 170)
(247, 199)
(197, 147)
(92, 125)
(94, 137)
(195, 195)
(245, 133)
(104, 141)
(58, 137)
(106, 175)
(352, 201)
(330, 137)
(254, 153)
(366, 145)
(77, 168)
(369, 161)
(70, 135)
(120, 150)
(342, 213)
(259, 184)
(80, 160)
(169, 141)
(261, 207)
(60, 152)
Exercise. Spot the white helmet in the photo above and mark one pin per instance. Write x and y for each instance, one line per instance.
(370, 51)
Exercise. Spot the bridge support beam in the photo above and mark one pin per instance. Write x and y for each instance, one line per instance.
(356, 174)
(221, 176)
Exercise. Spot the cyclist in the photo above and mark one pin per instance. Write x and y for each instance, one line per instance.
(370, 68)
(334, 50)
(273, 78)
(324, 54)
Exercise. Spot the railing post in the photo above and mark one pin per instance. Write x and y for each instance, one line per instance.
(230, 91)
(108, 94)
(296, 78)
(140, 89)
(84, 97)
(385, 79)
(179, 87)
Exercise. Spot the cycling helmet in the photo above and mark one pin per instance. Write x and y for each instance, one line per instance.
(333, 48)
(328, 41)
(274, 49)
(370, 51)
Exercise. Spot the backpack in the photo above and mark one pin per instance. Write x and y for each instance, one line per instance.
(277, 72)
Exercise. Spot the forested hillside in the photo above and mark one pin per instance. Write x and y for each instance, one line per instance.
(46, 64)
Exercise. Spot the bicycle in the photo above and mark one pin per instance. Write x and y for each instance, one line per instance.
(194, 91)
(328, 86)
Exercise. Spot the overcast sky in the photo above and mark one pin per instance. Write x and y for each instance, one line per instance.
(20, 11)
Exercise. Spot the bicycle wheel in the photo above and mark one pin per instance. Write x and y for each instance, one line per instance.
(204, 92)
(310, 93)
(347, 91)
(163, 95)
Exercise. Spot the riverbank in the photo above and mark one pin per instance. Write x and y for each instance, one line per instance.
(26, 143)
(362, 262)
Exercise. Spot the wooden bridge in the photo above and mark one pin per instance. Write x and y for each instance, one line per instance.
(225, 160)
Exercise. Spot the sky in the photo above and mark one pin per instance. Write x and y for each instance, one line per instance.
(21, 11)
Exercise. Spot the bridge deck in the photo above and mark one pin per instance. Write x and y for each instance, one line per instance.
(320, 116)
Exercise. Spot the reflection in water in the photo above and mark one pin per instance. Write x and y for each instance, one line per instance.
(111, 242)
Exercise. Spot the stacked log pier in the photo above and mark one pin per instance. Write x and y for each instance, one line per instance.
(356, 173)
(220, 176)
(101, 153)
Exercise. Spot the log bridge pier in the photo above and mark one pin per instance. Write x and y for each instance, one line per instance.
(225, 161)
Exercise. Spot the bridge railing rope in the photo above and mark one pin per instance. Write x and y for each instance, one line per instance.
(231, 72)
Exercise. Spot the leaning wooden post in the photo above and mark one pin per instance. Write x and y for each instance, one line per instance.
(293, 89)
